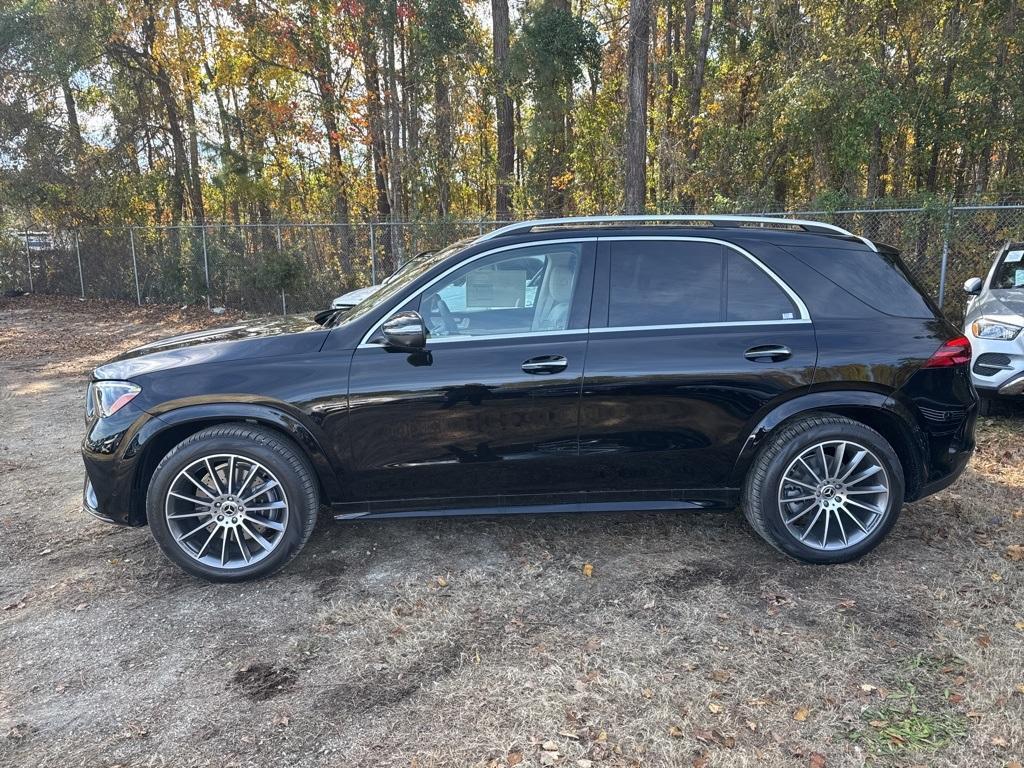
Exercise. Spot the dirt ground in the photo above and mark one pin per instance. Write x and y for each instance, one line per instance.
(483, 642)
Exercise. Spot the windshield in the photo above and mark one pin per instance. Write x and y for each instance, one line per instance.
(1010, 272)
(398, 281)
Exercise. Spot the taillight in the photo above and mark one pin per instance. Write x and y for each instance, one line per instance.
(954, 352)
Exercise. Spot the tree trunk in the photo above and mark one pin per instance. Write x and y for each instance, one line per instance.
(503, 104)
(636, 105)
(443, 137)
(697, 83)
(74, 129)
(195, 171)
(378, 139)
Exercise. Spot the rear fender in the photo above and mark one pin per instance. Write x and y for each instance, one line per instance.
(878, 410)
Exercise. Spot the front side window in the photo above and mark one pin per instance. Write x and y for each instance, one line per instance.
(674, 282)
(520, 291)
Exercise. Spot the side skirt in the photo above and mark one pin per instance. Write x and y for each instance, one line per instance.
(643, 501)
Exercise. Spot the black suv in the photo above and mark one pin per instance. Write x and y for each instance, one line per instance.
(609, 363)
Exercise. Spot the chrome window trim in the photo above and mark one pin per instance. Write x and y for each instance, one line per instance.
(805, 315)
(488, 337)
(728, 324)
(364, 342)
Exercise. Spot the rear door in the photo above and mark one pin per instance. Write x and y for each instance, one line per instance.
(690, 339)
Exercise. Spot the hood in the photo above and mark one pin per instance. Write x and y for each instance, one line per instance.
(265, 337)
(352, 298)
(1000, 302)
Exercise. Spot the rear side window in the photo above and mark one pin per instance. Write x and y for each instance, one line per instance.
(880, 280)
(752, 294)
(673, 282)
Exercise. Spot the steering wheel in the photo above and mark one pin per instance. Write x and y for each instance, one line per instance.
(445, 325)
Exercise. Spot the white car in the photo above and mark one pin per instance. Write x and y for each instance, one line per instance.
(350, 299)
(993, 323)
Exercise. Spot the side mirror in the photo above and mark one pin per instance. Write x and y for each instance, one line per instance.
(973, 286)
(405, 331)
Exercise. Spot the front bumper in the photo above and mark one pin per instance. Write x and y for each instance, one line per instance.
(111, 451)
(997, 367)
(91, 504)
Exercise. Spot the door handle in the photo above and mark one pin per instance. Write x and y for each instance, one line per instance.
(773, 353)
(545, 364)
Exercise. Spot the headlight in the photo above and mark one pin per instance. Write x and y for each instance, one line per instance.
(106, 398)
(988, 329)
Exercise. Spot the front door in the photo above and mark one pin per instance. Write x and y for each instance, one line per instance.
(490, 410)
(690, 340)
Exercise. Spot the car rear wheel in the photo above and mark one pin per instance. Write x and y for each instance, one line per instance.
(232, 503)
(824, 489)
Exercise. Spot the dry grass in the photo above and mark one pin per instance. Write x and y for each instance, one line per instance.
(482, 642)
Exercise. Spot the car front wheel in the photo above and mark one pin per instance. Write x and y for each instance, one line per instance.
(232, 502)
(824, 489)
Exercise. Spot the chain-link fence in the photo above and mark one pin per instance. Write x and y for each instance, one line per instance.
(264, 268)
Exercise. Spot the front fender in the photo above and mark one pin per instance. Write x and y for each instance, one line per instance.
(276, 416)
(844, 402)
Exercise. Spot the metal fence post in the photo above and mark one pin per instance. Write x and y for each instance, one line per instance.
(280, 252)
(135, 266)
(28, 260)
(78, 255)
(373, 257)
(945, 252)
(206, 267)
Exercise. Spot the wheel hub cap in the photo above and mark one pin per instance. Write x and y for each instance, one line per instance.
(833, 495)
(226, 511)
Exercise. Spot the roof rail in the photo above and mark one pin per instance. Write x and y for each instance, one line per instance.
(725, 220)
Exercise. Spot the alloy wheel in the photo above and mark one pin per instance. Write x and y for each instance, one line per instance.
(833, 495)
(226, 511)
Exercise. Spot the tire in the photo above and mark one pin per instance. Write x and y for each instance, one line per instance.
(257, 534)
(778, 473)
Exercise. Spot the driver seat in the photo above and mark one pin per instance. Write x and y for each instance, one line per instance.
(552, 313)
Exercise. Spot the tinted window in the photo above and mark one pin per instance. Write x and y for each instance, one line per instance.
(664, 282)
(879, 280)
(753, 295)
(529, 289)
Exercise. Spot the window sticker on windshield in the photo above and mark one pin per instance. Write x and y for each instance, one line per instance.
(787, 315)
(1014, 256)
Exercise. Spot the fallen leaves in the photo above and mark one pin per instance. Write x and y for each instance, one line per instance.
(588, 570)
(715, 737)
(1015, 552)
(801, 714)
(817, 760)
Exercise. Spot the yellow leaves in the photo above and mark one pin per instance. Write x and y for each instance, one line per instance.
(675, 732)
(801, 714)
(441, 581)
(562, 182)
(1015, 552)
(715, 708)
(588, 570)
